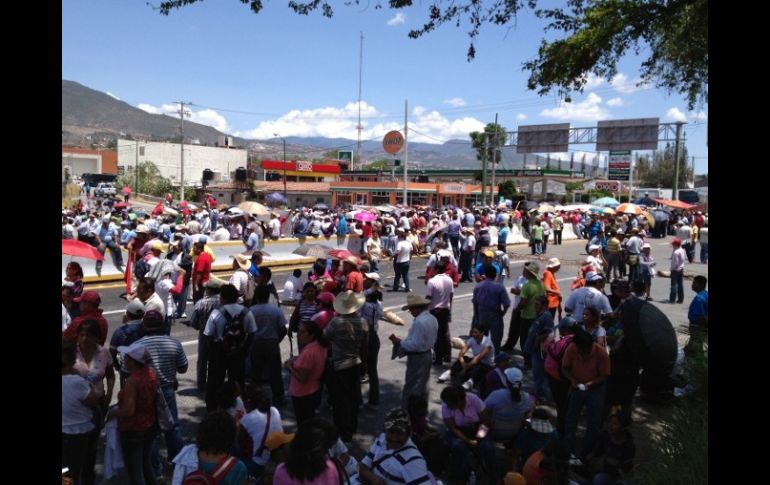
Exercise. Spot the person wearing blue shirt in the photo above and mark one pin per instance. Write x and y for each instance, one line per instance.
(502, 234)
(698, 314)
(106, 238)
(252, 243)
(488, 260)
(302, 226)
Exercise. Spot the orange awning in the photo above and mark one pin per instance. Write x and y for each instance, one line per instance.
(676, 204)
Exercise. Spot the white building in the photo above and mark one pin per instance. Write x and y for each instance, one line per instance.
(167, 157)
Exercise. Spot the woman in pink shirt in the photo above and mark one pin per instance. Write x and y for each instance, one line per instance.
(461, 412)
(306, 371)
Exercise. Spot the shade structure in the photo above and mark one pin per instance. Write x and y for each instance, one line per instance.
(255, 208)
(606, 201)
(676, 204)
(75, 248)
(543, 208)
(629, 209)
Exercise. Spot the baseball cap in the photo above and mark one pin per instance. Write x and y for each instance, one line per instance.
(89, 297)
(397, 419)
(153, 318)
(593, 276)
(372, 276)
(567, 322)
(514, 375)
(136, 351)
(135, 307)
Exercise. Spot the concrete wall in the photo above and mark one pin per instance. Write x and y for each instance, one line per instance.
(167, 157)
(81, 163)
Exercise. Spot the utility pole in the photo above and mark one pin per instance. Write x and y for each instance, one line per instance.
(181, 129)
(406, 148)
(136, 168)
(484, 169)
(360, 71)
(676, 160)
(494, 163)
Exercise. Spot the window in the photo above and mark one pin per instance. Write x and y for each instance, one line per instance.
(360, 198)
(380, 197)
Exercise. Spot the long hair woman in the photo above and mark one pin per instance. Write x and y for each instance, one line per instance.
(309, 461)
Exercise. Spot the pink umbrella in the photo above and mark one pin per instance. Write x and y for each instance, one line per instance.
(340, 253)
(80, 249)
(365, 216)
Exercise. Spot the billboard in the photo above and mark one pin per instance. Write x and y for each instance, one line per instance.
(542, 138)
(619, 165)
(634, 134)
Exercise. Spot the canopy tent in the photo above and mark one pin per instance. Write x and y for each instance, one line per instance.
(676, 204)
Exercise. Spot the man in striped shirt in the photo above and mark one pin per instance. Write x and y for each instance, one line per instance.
(168, 358)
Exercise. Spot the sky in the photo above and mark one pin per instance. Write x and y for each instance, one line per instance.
(255, 75)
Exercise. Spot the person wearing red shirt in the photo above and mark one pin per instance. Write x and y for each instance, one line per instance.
(354, 278)
(201, 270)
(367, 231)
(89, 310)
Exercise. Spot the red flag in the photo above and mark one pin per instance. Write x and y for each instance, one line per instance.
(129, 270)
(158, 209)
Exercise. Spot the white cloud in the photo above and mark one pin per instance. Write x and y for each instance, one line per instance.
(331, 122)
(112, 95)
(699, 116)
(589, 109)
(675, 115)
(623, 84)
(615, 102)
(207, 117)
(455, 102)
(397, 20)
(521, 117)
(593, 82)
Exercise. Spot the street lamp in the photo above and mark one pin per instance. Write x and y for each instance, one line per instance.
(284, 167)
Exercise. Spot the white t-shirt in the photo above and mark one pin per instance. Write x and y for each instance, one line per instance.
(254, 423)
(478, 347)
(275, 228)
(596, 263)
(404, 223)
(292, 289)
(239, 279)
(221, 234)
(403, 251)
(374, 246)
(76, 416)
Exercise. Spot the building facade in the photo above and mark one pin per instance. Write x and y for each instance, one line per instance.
(77, 161)
(301, 170)
(418, 193)
(223, 161)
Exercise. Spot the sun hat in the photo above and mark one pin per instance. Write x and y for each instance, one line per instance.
(348, 302)
(541, 425)
(136, 351)
(244, 262)
(552, 263)
(413, 300)
(593, 276)
(372, 276)
(214, 282)
(352, 260)
(646, 246)
(534, 268)
(593, 247)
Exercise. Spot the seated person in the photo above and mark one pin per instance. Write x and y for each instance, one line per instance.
(613, 456)
(495, 379)
(472, 370)
(535, 436)
(462, 416)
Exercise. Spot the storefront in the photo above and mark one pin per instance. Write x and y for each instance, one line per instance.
(418, 193)
(301, 171)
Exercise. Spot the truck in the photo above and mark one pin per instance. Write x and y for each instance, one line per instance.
(105, 189)
(653, 192)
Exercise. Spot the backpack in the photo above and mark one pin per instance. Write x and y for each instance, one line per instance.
(234, 333)
(248, 292)
(554, 354)
(199, 477)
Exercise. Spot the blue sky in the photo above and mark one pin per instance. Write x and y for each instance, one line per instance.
(278, 72)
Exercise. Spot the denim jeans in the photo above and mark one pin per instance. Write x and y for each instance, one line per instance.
(181, 301)
(173, 437)
(402, 271)
(593, 400)
(266, 366)
(454, 241)
(459, 466)
(494, 322)
(537, 246)
(704, 252)
(677, 287)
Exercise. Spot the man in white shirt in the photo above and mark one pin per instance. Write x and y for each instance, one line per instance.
(684, 233)
(440, 290)
(401, 260)
(467, 249)
(590, 296)
(275, 227)
(403, 222)
(417, 347)
(678, 257)
(292, 289)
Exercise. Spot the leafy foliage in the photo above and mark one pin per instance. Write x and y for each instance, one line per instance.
(378, 165)
(150, 180)
(507, 189)
(659, 172)
(673, 34)
(496, 134)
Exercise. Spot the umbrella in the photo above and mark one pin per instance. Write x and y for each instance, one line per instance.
(646, 201)
(121, 205)
(546, 208)
(606, 201)
(650, 218)
(276, 198)
(435, 231)
(608, 210)
(313, 251)
(530, 204)
(183, 203)
(321, 207)
(676, 204)
(255, 208)
(364, 216)
(80, 249)
(340, 253)
(660, 215)
(192, 207)
(169, 211)
(234, 211)
(629, 209)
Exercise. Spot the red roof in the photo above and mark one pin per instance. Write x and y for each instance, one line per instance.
(676, 204)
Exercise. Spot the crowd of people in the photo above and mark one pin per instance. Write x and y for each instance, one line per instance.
(573, 349)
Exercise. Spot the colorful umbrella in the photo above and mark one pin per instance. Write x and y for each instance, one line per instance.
(676, 204)
(629, 209)
(340, 253)
(79, 249)
(365, 216)
(650, 218)
(606, 201)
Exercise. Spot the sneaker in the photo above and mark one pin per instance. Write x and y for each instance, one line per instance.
(445, 376)
(468, 385)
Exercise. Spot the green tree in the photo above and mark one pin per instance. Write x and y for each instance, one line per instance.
(672, 34)
(496, 134)
(150, 180)
(381, 164)
(659, 172)
(507, 189)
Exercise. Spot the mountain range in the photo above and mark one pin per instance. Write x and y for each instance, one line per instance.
(91, 117)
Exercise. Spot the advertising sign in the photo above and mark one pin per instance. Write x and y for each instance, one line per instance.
(304, 166)
(393, 142)
(620, 165)
(608, 185)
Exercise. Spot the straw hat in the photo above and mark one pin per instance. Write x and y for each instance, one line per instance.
(348, 302)
(413, 300)
(534, 268)
(244, 262)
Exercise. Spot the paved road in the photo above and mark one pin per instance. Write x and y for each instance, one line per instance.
(191, 403)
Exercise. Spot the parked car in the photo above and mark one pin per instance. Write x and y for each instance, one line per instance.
(105, 189)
